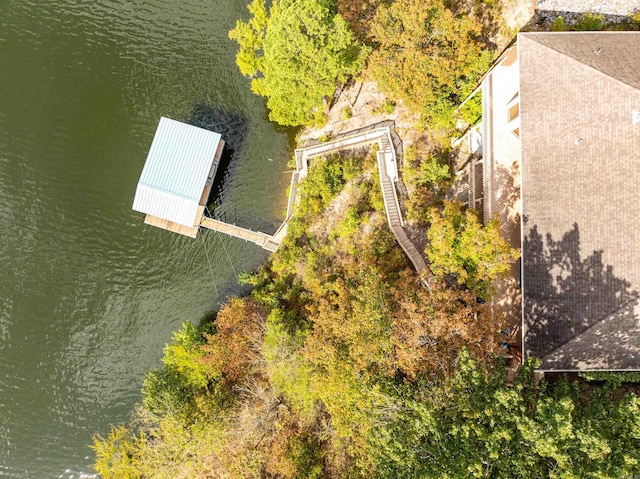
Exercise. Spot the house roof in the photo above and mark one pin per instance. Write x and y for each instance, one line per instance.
(581, 214)
(176, 171)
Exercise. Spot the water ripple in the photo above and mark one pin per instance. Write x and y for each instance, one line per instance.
(88, 294)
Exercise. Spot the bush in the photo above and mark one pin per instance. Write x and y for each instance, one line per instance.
(613, 377)
(387, 108)
(349, 226)
(346, 113)
(325, 180)
(559, 25)
(182, 357)
(471, 111)
(589, 22)
(430, 175)
(434, 171)
(318, 118)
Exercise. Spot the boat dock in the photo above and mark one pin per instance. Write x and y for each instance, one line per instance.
(180, 169)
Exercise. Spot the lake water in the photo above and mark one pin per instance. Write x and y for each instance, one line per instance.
(88, 294)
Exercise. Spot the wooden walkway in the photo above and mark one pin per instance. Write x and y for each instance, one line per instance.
(261, 239)
(264, 240)
(388, 170)
(394, 218)
(381, 135)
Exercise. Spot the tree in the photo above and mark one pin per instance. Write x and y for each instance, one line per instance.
(250, 36)
(234, 348)
(429, 54)
(296, 56)
(460, 246)
(288, 373)
(115, 454)
(431, 328)
(477, 425)
(358, 14)
(182, 357)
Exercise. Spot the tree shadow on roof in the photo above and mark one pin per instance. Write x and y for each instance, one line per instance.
(566, 296)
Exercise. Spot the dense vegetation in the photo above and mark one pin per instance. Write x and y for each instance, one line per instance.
(341, 364)
(429, 54)
(297, 52)
(594, 22)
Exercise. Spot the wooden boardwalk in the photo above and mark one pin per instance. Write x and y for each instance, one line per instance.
(381, 135)
(388, 171)
(394, 218)
(264, 240)
(261, 239)
(387, 168)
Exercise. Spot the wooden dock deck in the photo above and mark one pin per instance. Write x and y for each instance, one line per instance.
(190, 231)
(387, 168)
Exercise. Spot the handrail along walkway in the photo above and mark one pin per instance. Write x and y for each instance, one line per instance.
(388, 171)
(387, 168)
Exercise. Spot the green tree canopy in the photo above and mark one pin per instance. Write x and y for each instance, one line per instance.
(459, 245)
(478, 425)
(296, 54)
(429, 53)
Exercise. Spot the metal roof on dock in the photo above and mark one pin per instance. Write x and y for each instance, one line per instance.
(176, 171)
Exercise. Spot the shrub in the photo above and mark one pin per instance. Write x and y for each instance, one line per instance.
(387, 107)
(319, 118)
(589, 22)
(559, 25)
(349, 226)
(615, 377)
(471, 111)
(429, 172)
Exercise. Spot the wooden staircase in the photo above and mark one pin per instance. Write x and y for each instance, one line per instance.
(389, 142)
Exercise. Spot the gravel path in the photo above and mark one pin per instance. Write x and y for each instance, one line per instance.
(607, 7)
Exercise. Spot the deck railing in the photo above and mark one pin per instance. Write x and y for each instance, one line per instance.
(389, 143)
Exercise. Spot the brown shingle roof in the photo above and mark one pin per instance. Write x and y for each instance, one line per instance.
(580, 196)
(614, 54)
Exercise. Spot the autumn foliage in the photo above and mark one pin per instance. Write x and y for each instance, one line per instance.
(429, 54)
(342, 364)
(431, 328)
(234, 349)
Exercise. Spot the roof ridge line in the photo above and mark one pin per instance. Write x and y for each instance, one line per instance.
(605, 75)
(596, 322)
(169, 192)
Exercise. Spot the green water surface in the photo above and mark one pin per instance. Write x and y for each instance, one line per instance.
(88, 294)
